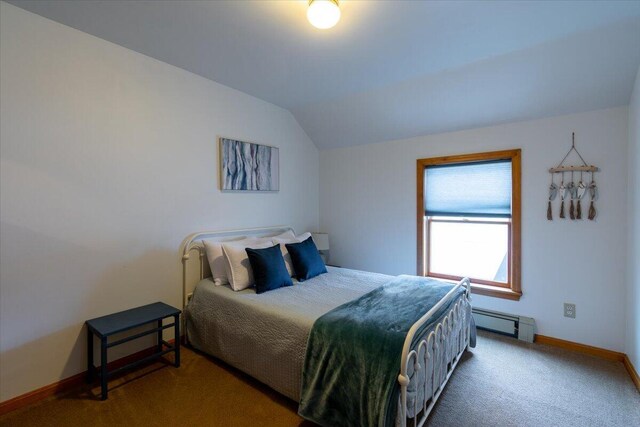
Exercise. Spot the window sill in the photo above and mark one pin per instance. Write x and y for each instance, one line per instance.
(495, 291)
(487, 290)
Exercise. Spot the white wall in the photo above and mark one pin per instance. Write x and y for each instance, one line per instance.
(108, 160)
(368, 205)
(633, 279)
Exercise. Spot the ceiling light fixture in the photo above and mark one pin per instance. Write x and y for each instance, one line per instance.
(323, 14)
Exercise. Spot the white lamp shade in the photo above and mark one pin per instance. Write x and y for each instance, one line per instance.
(323, 14)
(321, 240)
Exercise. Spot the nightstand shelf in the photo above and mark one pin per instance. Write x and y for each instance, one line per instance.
(106, 326)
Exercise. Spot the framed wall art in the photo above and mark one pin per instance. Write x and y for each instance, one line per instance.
(245, 166)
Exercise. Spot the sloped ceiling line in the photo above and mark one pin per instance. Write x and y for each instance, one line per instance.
(389, 69)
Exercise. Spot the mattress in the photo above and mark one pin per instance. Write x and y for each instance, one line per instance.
(235, 326)
(266, 335)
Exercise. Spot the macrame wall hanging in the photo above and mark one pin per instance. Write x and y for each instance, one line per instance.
(570, 190)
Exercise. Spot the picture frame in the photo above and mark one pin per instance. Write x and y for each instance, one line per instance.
(247, 166)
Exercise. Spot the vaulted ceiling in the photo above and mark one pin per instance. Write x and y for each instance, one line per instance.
(389, 69)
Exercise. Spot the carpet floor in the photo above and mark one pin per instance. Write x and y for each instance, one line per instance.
(502, 382)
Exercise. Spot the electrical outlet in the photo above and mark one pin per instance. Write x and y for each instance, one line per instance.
(569, 310)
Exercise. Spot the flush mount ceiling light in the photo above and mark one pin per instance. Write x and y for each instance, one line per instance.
(323, 14)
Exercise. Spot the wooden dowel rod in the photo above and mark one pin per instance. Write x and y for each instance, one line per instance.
(574, 169)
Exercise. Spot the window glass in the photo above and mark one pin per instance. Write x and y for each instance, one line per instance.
(476, 249)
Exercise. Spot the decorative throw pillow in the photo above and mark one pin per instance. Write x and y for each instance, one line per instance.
(269, 270)
(238, 265)
(306, 259)
(285, 252)
(217, 263)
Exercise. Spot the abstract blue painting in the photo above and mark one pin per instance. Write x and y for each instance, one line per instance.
(245, 166)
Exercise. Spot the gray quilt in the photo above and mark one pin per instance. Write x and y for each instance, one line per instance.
(232, 325)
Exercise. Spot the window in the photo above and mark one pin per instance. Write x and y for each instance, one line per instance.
(476, 248)
(469, 220)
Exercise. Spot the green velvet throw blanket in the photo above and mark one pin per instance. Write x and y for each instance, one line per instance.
(353, 354)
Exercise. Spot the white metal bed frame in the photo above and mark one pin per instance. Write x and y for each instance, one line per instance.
(192, 242)
(436, 339)
(450, 325)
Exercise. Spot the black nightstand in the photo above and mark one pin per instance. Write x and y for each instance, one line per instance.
(105, 326)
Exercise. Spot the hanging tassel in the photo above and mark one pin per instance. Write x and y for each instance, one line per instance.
(592, 211)
(572, 212)
(578, 210)
(562, 209)
(549, 215)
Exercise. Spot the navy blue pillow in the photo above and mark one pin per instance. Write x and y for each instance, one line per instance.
(306, 259)
(269, 269)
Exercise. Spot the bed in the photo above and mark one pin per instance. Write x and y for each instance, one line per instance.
(267, 335)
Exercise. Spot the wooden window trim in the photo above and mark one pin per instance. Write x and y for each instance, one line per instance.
(514, 291)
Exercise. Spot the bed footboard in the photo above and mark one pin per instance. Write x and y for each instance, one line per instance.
(433, 358)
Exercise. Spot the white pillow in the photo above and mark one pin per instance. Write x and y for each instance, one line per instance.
(217, 263)
(285, 252)
(286, 235)
(237, 261)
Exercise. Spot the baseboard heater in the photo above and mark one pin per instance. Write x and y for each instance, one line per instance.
(520, 327)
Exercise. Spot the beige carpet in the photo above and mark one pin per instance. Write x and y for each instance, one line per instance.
(500, 383)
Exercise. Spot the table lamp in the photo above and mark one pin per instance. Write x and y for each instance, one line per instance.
(322, 243)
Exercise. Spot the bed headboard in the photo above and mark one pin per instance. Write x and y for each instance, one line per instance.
(200, 268)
